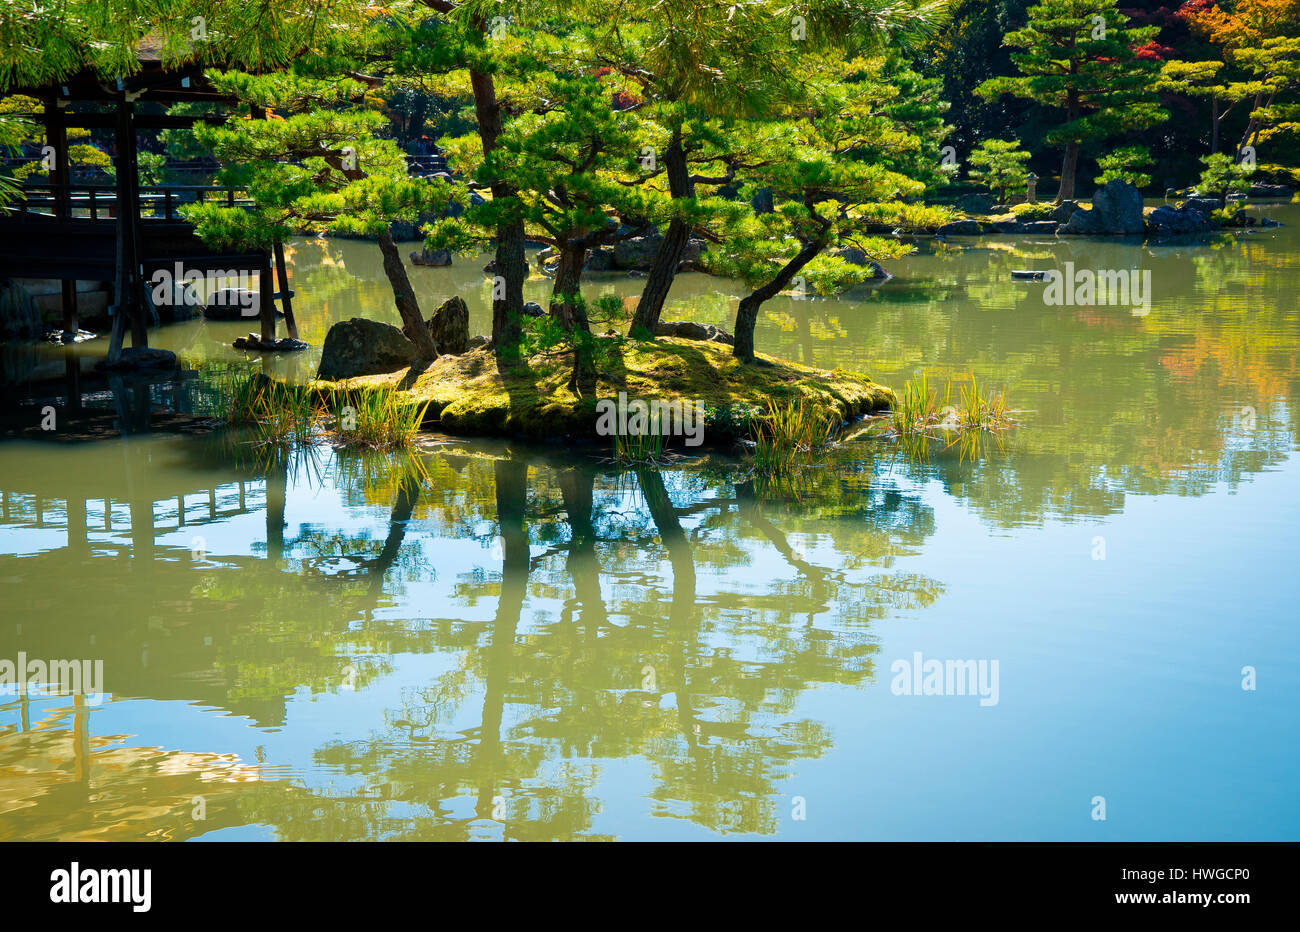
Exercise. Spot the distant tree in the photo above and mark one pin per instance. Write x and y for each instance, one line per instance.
(1125, 164)
(999, 164)
(1260, 49)
(1079, 56)
(1222, 176)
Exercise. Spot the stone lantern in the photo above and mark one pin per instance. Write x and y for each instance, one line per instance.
(1031, 188)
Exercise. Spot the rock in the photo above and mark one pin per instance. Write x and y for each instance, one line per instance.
(1081, 223)
(1116, 209)
(433, 257)
(960, 228)
(1269, 190)
(762, 201)
(690, 330)
(1206, 205)
(1004, 226)
(255, 342)
(175, 302)
(975, 203)
(1040, 226)
(1167, 221)
(855, 256)
(233, 304)
(449, 326)
(19, 316)
(477, 342)
(59, 335)
(1028, 275)
(1065, 210)
(491, 267)
(533, 309)
(600, 259)
(364, 347)
(545, 255)
(139, 357)
(1268, 222)
(695, 248)
(638, 252)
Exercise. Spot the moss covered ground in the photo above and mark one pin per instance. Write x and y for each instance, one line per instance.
(474, 394)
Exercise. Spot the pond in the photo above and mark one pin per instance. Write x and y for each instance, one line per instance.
(490, 640)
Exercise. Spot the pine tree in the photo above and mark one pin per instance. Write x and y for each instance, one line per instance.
(317, 167)
(841, 168)
(999, 164)
(1078, 56)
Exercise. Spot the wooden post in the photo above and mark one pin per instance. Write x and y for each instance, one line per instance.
(129, 299)
(76, 522)
(56, 136)
(286, 299)
(266, 302)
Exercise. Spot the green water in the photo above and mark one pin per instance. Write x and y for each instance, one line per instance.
(491, 640)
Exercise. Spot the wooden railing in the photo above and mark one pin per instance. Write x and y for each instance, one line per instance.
(98, 202)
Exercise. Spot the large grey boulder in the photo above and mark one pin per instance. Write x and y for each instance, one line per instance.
(1176, 221)
(690, 330)
(432, 257)
(855, 256)
(1065, 210)
(600, 259)
(960, 228)
(638, 252)
(1116, 208)
(533, 309)
(695, 248)
(1206, 205)
(449, 326)
(975, 203)
(364, 347)
(1260, 189)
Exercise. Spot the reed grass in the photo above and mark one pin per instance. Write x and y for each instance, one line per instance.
(789, 435)
(635, 449)
(377, 418)
(923, 415)
(284, 415)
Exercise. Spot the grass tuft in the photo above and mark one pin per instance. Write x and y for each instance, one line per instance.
(789, 436)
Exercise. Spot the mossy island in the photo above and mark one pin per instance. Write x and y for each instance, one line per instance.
(475, 393)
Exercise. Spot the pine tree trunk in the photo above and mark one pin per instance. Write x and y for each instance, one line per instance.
(570, 313)
(671, 248)
(511, 265)
(404, 296)
(1070, 163)
(1068, 167)
(747, 312)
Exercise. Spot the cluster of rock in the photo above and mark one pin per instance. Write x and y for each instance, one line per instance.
(634, 254)
(1116, 211)
(360, 346)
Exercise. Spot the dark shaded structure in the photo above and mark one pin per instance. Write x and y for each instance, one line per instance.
(123, 233)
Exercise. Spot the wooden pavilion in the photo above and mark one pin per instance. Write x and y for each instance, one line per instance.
(123, 233)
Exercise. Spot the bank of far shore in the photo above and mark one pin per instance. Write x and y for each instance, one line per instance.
(470, 394)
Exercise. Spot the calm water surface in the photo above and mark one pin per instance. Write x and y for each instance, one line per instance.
(488, 640)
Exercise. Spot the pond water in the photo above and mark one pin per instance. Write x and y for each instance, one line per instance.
(489, 640)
